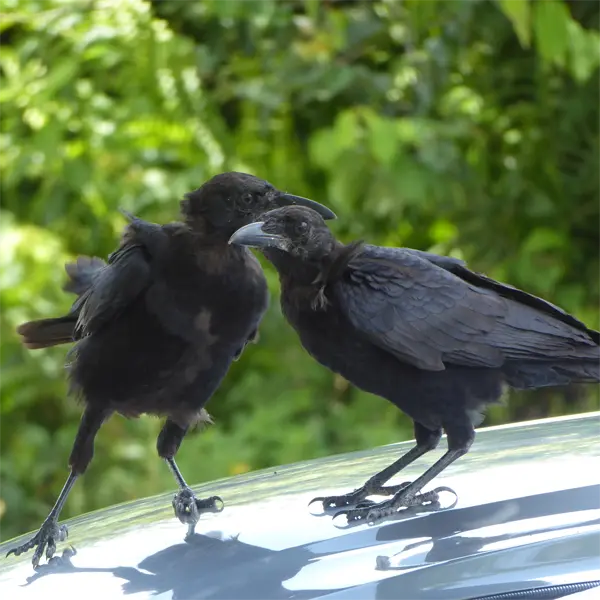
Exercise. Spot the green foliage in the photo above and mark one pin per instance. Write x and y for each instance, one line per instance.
(467, 128)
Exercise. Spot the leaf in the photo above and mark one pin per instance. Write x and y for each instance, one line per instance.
(519, 14)
(550, 23)
(584, 51)
(383, 139)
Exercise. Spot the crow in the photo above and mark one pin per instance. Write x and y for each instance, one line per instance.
(158, 326)
(436, 339)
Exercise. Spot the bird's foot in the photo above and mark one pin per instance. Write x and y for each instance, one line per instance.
(427, 502)
(188, 508)
(45, 539)
(358, 497)
(350, 499)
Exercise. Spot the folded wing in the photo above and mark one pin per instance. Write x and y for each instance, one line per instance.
(428, 316)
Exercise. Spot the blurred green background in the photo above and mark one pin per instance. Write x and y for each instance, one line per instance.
(468, 128)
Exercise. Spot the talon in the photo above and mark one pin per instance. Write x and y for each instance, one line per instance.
(35, 561)
(328, 502)
(444, 488)
(212, 504)
(340, 513)
(317, 499)
(44, 541)
(316, 512)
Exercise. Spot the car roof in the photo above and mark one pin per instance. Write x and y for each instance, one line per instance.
(528, 514)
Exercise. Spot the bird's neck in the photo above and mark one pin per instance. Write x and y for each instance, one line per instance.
(292, 269)
(337, 261)
(207, 233)
(300, 272)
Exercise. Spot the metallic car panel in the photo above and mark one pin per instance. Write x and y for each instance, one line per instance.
(528, 514)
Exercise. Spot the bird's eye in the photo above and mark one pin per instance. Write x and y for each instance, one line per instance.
(302, 227)
(247, 198)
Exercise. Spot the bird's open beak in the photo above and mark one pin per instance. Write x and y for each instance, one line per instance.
(252, 235)
(289, 199)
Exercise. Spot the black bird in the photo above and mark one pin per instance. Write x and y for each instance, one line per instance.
(423, 331)
(158, 326)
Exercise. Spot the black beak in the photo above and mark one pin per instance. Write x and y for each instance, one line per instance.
(252, 235)
(289, 199)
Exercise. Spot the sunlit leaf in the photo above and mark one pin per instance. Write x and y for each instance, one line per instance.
(550, 23)
(519, 13)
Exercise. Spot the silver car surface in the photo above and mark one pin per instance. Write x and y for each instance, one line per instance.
(528, 515)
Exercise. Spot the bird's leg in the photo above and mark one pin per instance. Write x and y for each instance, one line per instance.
(187, 507)
(459, 442)
(426, 440)
(81, 455)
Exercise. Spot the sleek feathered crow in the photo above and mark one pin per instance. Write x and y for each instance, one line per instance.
(423, 331)
(159, 325)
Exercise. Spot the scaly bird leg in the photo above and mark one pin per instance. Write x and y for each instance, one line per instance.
(426, 440)
(459, 443)
(50, 532)
(81, 455)
(186, 506)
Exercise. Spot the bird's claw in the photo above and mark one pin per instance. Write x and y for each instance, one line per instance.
(188, 508)
(331, 502)
(213, 504)
(357, 498)
(45, 539)
(375, 512)
(353, 515)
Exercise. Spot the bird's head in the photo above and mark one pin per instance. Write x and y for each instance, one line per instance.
(294, 230)
(230, 200)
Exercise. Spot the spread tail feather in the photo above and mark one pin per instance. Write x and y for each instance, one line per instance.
(45, 333)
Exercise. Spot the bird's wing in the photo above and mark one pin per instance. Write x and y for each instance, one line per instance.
(512, 293)
(428, 317)
(459, 268)
(112, 289)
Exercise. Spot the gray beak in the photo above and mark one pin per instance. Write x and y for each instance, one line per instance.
(290, 199)
(252, 235)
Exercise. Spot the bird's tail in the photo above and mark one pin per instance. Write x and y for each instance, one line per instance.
(582, 372)
(48, 332)
(52, 332)
(81, 273)
(525, 375)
